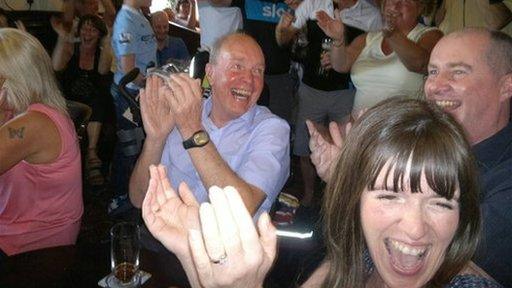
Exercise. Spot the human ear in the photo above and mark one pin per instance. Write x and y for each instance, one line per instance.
(506, 87)
(209, 73)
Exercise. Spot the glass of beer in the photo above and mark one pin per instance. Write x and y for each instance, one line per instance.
(124, 255)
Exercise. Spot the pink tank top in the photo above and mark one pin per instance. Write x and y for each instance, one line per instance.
(41, 204)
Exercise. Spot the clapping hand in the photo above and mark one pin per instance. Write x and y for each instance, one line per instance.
(325, 149)
(333, 28)
(157, 118)
(169, 215)
(229, 252)
(186, 102)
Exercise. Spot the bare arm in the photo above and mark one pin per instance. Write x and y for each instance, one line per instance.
(414, 56)
(285, 32)
(440, 13)
(343, 57)
(499, 16)
(32, 137)
(110, 12)
(158, 123)
(63, 49)
(62, 53)
(105, 60)
(127, 64)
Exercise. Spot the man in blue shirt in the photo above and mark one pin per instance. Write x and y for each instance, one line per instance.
(134, 45)
(168, 47)
(224, 140)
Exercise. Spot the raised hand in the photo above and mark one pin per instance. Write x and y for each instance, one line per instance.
(286, 20)
(185, 102)
(157, 116)
(333, 28)
(169, 216)
(325, 149)
(390, 18)
(229, 252)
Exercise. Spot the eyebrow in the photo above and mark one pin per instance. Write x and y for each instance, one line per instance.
(460, 64)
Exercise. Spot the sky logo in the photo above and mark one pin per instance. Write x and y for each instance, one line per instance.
(265, 11)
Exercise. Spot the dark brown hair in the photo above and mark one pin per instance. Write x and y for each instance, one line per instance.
(96, 22)
(399, 131)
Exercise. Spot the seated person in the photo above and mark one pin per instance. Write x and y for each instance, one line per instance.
(469, 84)
(225, 139)
(169, 47)
(84, 71)
(40, 173)
(407, 184)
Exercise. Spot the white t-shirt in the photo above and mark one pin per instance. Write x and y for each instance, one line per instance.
(378, 76)
(217, 22)
(362, 15)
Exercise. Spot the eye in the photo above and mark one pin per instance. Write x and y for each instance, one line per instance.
(237, 67)
(432, 72)
(444, 205)
(387, 197)
(258, 71)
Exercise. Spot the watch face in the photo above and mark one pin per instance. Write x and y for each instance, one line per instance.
(201, 138)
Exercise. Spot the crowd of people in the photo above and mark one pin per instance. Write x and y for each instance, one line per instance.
(399, 107)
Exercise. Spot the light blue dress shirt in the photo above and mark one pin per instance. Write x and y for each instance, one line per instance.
(255, 146)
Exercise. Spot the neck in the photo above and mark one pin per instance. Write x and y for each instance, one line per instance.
(161, 42)
(132, 3)
(486, 133)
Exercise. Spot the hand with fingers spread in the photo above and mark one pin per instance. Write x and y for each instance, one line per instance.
(286, 21)
(333, 28)
(157, 116)
(169, 215)
(324, 152)
(186, 103)
(229, 252)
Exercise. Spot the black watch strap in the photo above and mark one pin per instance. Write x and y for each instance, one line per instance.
(198, 139)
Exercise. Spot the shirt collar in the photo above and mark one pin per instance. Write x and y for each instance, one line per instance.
(247, 117)
(131, 9)
(490, 151)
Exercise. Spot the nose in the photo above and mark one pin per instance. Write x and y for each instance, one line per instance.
(413, 222)
(437, 85)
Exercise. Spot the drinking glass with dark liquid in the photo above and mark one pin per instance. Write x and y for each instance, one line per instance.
(326, 47)
(124, 255)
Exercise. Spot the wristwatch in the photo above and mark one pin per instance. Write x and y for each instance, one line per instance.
(198, 139)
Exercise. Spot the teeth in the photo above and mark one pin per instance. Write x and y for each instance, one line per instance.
(408, 250)
(445, 103)
(241, 92)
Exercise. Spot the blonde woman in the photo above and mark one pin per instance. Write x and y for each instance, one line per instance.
(40, 173)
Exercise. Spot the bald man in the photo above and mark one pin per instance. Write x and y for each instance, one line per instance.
(168, 47)
(224, 140)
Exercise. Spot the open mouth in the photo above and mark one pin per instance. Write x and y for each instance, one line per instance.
(447, 104)
(406, 260)
(240, 94)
